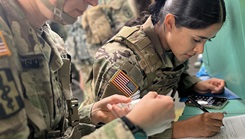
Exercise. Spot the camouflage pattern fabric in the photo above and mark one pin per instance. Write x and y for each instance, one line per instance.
(29, 62)
(106, 18)
(59, 29)
(103, 21)
(114, 130)
(118, 55)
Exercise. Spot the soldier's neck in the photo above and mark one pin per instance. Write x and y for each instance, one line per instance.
(33, 14)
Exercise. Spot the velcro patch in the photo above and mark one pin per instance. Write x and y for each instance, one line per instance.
(4, 50)
(124, 83)
(31, 61)
(10, 99)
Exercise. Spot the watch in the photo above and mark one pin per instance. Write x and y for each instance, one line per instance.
(138, 132)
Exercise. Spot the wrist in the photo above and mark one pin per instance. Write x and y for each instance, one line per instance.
(93, 117)
(179, 129)
(138, 132)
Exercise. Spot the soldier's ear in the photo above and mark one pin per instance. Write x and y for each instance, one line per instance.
(169, 22)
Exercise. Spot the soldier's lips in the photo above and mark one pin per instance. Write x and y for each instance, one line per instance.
(189, 56)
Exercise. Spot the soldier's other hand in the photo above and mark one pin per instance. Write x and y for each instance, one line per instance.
(106, 109)
(213, 85)
(154, 113)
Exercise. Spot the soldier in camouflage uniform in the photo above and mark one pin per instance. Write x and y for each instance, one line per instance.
(35, 84)
(96, 26)
(154, 57)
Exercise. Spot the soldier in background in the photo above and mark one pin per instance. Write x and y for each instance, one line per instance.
(35, 97)
(96, 26)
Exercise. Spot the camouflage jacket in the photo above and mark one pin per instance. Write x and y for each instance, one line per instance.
(137, 52)
(32, 99)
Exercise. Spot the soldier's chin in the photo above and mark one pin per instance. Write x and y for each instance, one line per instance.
(183, 58)
(186, 57)
(66, 22)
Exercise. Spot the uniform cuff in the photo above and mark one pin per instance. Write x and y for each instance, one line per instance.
(85, 114)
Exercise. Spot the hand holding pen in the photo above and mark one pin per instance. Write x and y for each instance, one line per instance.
(205, 124)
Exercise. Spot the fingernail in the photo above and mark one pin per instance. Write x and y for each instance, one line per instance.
(109, 106)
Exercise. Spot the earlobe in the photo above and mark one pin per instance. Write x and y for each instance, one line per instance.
(169, 22)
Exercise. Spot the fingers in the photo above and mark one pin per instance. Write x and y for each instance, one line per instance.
(151, 94)
(110, 108)
(214, 85)
(214, 121)
(218, 85)
(217, 116)
(114, 99)
(118, 111)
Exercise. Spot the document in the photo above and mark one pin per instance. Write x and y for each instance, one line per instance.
(234, 128)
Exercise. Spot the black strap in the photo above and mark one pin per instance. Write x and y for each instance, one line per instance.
(133, 128)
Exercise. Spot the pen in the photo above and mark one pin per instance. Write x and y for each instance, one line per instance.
(136, 95)
(173, 93)
(196, 104)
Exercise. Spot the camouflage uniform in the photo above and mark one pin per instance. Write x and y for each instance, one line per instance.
(137, 51)
(32, 91)
(96, 26)
(59, 29)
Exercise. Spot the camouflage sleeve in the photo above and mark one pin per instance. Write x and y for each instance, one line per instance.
(116, 129)
(109, 59)
(85, 113)
(13, 119)
(186, 83)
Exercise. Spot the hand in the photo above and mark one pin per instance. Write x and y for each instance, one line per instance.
(214, 85)
(152, 113)
(204, 125)
(101, 113)
(120, 110)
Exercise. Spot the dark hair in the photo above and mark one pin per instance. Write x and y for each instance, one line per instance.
(193, 14)
(143, 5)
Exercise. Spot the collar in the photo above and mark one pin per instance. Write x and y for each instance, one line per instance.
(148, 28)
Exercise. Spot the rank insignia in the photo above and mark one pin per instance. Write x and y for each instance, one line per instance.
(4, 50)
(126, 85)
(10, 99)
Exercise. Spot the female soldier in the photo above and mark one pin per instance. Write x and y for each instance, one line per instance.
(34, 79)
(154, 56)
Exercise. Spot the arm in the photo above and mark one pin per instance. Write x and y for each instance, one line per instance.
(213, 85)
(186, 83)
(109, 60)
(13, 119)
(115, 129)
(204, 125)
(152, 117)
(189, 83)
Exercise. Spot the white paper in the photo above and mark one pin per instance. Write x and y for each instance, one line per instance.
(234, 128)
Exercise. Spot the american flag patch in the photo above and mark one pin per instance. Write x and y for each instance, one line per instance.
(4, 50)
(124, 83)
